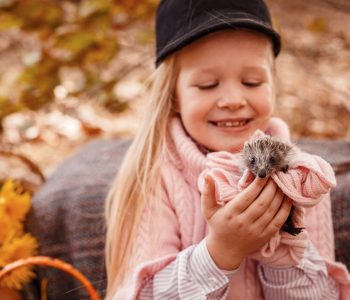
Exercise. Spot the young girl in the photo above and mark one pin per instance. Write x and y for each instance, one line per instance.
(213, 88)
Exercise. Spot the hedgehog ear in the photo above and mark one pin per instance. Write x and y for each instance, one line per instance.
(256, 135)
(283, 146)
(246, 145)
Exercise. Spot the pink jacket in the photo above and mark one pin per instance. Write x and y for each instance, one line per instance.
(183, 225)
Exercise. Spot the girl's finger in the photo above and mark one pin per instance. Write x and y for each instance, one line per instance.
(271, 211)
(280, 218)
(262, 202)
(248, 195)
(209, 204)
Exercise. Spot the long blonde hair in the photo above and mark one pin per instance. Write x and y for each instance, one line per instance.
(138, 177)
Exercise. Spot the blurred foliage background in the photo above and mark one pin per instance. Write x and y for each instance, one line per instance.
(74, 38)
(75, 70)
(61, 65)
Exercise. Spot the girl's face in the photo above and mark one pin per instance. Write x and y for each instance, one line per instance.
(224, 90)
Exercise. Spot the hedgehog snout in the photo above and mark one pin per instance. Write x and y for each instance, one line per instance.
(262, 173)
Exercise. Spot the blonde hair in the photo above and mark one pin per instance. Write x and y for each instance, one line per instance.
(138, 177)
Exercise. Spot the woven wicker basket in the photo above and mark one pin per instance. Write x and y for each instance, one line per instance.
(55, 263)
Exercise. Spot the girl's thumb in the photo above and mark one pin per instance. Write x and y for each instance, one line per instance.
(209, 204)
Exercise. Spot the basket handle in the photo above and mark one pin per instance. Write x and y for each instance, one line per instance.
(55, 263)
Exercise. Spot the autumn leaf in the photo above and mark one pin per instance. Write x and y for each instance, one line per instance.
(98, 23)
(90, 7)
(318, 25)
(8, 106)
(39, 13)
(8, 21)
(37, 83)
(70, 45)
(102, 53)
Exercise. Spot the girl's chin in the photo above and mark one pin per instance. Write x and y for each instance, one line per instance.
(233, 148)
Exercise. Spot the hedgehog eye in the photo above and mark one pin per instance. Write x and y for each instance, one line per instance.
(272, 160)
(252, 161)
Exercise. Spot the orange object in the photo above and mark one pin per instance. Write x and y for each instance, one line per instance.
(8, 294)
(55, 263)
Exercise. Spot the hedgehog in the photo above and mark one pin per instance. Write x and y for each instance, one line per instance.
(264, 155)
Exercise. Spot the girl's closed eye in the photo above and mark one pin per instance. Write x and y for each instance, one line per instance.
(252, 83)
(208, 85)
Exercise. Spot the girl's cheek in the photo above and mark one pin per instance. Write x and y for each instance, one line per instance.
(264, 107)
(268, 106)
(269, 99)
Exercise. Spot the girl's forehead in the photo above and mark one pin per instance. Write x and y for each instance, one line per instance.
(228, 47)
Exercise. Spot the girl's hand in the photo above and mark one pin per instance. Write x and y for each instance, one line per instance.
(243, 225)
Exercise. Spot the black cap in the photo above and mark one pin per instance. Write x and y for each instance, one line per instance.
(180, 22)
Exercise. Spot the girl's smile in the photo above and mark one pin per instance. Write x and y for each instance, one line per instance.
(231, 123)
(224, 90)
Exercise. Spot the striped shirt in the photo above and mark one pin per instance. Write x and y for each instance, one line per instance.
(194, 275)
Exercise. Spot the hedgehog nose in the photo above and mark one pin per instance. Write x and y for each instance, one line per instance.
(262, 174)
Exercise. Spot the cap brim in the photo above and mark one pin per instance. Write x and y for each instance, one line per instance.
(210, 22)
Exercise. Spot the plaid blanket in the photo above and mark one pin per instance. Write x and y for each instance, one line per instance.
(337, 153)
(67, 215)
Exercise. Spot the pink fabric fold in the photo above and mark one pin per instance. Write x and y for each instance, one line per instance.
(339, 272)
(309, 177)
(307, 181)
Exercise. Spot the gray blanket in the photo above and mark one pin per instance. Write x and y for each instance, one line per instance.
(67, 215)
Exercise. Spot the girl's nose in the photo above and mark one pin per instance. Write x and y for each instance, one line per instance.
(232, 100)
